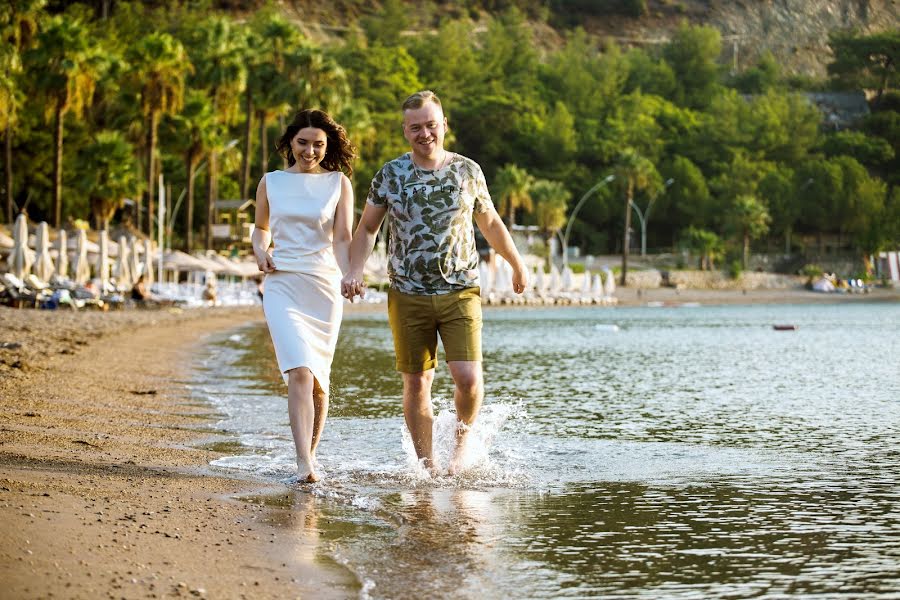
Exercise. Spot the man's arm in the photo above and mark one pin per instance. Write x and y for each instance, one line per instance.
(494, 231)
(360, 248)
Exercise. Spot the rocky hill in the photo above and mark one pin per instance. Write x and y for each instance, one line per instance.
(795, 31)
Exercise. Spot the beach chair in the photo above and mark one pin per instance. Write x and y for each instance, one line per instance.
(16, 294)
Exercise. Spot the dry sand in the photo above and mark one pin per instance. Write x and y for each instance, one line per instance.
(106, 489)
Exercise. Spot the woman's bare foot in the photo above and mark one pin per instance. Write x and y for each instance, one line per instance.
(310, 478)
(306, 472)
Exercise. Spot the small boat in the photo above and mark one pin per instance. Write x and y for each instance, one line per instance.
(784, 327)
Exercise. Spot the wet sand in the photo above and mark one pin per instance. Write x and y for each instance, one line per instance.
(106, 489)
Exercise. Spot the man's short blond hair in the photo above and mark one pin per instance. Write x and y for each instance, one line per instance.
(419, 99)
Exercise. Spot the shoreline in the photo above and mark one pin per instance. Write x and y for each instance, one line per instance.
(106, 486)
(104, 457)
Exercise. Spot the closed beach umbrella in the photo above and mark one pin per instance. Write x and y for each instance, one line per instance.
(21, 258)
(103, 261)
(554, 279)
(135, 259)
(586, 284)
(81, 269)
(148, 262)
(597, 285)
(610, 287)
(122, 270)
(43, 263)
(567, 279)
(484, 277)
(540, 282)
(62, 258)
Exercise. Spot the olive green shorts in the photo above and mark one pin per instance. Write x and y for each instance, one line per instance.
(416, 321)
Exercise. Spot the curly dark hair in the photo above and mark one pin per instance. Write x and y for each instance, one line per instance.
(339, 150)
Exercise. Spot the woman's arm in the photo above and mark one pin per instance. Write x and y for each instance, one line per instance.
(343, 225)
(262, 237)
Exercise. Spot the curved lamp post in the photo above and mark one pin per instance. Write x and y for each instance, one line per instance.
(565, 237)
(645, 216)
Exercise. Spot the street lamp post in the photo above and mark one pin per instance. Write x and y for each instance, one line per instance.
(645, 216)
(565, 237)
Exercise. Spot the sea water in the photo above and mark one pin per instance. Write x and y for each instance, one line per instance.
(685, 452)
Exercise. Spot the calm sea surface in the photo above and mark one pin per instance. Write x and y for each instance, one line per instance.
(625, 452)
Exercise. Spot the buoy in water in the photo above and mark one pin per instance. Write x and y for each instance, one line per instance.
(784, 327)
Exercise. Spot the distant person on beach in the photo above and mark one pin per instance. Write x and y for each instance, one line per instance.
(139, 291)
(209, 292)
(433, 196)
(307, 210)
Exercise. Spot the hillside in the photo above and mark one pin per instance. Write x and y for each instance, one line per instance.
(794, 31)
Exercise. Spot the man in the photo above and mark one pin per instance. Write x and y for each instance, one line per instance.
(432, 196)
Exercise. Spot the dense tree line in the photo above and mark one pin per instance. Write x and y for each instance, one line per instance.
(93, 107)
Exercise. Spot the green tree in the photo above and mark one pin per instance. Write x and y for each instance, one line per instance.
(693, 54)
(67, 65)
(634, 173)
(869, 150)
(18, 28)
(512, 189)
(194, 131)
(550, 199)
(159, 66)
(109, 175)
(865, 61)
(749, 218)
(705, 243)
(687, 202)
(218, 52)
(760, 78)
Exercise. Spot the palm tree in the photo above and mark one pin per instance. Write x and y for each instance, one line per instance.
(750, 219)
(18, 27)
(512, 186)
(707, 244)
(220, 69)
(109, 174)
(196, 130)
(159, 68)
(67, 64)
(551, 199)
(637, 174)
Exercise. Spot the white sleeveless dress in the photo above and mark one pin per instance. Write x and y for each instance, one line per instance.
(302, 299)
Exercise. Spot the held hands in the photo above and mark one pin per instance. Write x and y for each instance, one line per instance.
(265, 262)
(352, 285)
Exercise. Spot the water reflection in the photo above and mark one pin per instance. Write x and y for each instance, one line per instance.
(687, 454)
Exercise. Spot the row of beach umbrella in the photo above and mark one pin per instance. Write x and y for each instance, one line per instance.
(499, 280)
(133, 258)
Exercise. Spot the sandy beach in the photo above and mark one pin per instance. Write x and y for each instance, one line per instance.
(106, 489)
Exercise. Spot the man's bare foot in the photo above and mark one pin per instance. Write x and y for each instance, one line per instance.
(310, 478)
(456, 463)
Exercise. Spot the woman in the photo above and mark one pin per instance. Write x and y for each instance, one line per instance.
(307, 210)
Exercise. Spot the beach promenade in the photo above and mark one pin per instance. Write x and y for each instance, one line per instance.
(104, 454)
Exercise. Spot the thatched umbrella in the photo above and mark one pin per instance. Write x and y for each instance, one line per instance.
(81, 269)
(21, 257)
(43, 263)
(62, 259)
